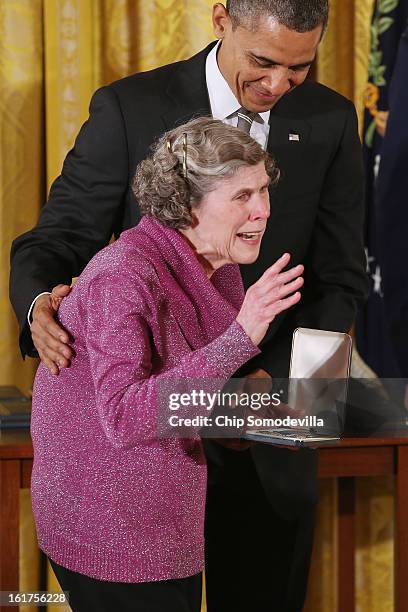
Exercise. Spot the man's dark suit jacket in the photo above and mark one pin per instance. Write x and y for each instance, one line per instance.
(316, 215)
(392, 211)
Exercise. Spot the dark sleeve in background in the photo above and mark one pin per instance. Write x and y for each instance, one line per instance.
(392, 210)
(79, 217)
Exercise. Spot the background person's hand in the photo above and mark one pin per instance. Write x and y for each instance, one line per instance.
(256, 375)
(259, 382)
(49, 338)
(235, 444)
(273, 293)
(240, 444)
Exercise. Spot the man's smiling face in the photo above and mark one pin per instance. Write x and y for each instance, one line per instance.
(263, 61)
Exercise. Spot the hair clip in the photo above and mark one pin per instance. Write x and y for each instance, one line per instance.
(185, 155)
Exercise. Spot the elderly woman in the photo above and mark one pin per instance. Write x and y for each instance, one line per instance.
(119, 510)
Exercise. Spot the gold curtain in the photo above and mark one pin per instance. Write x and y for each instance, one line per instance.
(343, 55)
(53, 55)
(90, 43)
(21, 196)
(21, 150)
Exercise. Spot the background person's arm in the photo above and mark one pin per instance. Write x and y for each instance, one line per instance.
(392, 212)
(79, 217)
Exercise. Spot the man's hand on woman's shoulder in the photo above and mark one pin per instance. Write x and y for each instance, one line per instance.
(49, 338)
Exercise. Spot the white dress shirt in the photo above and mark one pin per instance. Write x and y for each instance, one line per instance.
(224, 105)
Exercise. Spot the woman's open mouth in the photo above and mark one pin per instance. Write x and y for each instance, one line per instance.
(250, 237)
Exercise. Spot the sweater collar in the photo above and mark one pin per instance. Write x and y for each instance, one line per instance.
(212, 304)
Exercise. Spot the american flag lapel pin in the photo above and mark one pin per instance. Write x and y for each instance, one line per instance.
(294, 137)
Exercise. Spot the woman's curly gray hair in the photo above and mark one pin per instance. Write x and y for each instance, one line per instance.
(214, 151)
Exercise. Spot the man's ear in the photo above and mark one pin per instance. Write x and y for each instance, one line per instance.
(221, 20)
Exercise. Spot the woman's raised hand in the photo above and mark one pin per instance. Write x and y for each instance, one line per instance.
(274, 292)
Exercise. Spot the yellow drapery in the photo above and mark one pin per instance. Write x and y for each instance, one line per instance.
(57, 52)
(21, 147)
(343, 55)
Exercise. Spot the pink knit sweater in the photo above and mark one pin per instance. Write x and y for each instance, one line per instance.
(110, 498)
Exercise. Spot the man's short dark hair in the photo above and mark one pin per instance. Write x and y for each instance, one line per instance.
(298, 15)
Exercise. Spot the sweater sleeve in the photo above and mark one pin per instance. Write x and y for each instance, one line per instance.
(122, 318)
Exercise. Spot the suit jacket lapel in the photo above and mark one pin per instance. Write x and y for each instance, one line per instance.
(187, 93)
(284, 121)
(203, 308)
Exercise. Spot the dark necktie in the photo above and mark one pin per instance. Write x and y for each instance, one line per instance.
(245, 119)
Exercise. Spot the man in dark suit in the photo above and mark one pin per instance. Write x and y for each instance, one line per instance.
(391, 208)
(260, 502)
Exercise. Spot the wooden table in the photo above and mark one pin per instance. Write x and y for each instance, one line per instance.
(351, 458)
(16, 461)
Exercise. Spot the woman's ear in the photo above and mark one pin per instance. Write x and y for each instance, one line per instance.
(194, 220)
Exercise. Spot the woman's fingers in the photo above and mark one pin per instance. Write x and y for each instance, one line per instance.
(285, 277)
(270, 279)
(275, 290)
(275, 268)
(273, 293)
(280, 305)
(278, 293)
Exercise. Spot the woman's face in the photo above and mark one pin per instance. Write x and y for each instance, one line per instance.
(231, 220)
